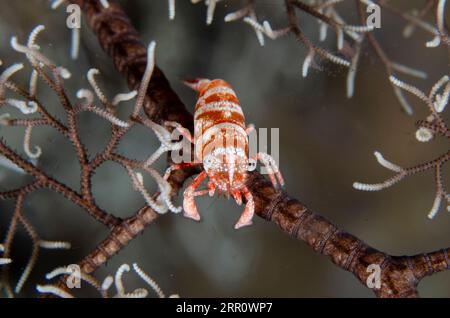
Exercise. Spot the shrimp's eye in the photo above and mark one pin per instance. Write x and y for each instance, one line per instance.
(207, 160)
(251, 165)
(210, 161)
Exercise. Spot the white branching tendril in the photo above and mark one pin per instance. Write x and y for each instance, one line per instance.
(415, 21)
(6, 74)
(211, 7)
(103, 287)
(107, 283)
(435, 42)
(259, 33)
(259, 30)
(118, 279)
(56, 3)
(436, 102)
(4, 261)
(75, 274)
(36, 58)
(31, 43)
(75, 43)
(328, 16)
(70, 270)
(108, 112)
(104, 114)
(409, 70)
(348, 30)
(274, 34)
(91, 78)
(264, 29)
(37, 61)
(36, 246)
(409, 88)
(4, 119)
(137, 293)
(307, 63)
(105, 3)
(433, 124)
(402, 100)
(210, 11)
(87, 95)
(171, 9)
(137, 181)
(441, 34)
(121, 293)
(424, 134)
(237, 15)
(439, 84)
(441, 194)
(351, 75)
(409, 29)
(145, 78)
(441, 16)
(150, 281)
(26, 145)
(386, 184)
(436, 206)
(387, 164)
(323, 31)
(33, 83)
(54, 245)
(163, 202)
(24, 107)
(124, 97)
(54, 290)
(336, 59)
(248, 15)
(165, 137)
(340, 38)
(441, 100)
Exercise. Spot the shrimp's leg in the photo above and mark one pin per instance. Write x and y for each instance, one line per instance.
(250, 128)
(249, 210)
(197, 84)
(190, 209)
(237, 197)
(211, 188)
(183, 131)
(272, 168)
(177, 166)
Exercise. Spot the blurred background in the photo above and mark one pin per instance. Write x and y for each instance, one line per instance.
(326, 143)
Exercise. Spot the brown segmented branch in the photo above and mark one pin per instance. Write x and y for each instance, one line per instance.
(121, 41)
(43, 180)
(400, 274)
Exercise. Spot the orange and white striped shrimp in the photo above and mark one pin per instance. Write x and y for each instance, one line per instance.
(221, 145)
